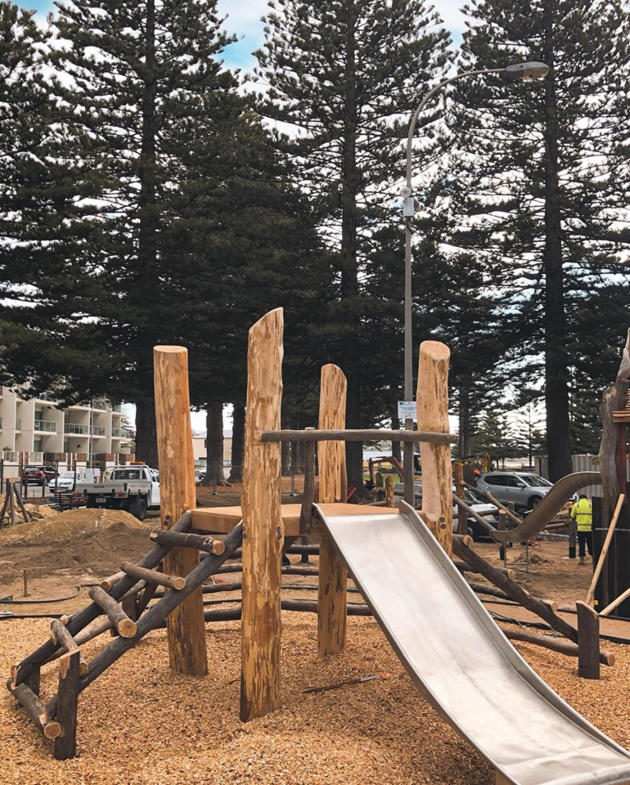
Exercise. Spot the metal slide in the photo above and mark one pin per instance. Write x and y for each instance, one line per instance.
(548, 507)
(461, 660)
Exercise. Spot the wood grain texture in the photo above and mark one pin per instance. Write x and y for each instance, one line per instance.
(588, 641)
(186, 630)
(263, 531)
(432, 408)
(67, 702)
(333, 487)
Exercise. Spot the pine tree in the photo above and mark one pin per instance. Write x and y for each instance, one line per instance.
(46, 220)
(343, 77)
(140, 76)
(540, 173)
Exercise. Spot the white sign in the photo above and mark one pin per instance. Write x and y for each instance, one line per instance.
(406, 410)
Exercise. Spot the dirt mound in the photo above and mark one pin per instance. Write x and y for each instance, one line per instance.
(74, 542)
(67, 526)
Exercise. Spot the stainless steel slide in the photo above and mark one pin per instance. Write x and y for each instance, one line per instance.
(548, 507)
(461, 660)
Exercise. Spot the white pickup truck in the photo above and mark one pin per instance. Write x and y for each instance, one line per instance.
(135, 488)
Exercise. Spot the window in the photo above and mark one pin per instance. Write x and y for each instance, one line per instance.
(497, 479)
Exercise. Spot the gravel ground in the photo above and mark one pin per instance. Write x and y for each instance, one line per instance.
(140, 724)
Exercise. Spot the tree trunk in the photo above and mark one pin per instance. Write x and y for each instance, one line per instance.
(463, 444)
(214, 445)
(238, 431)
(349, 270)
(396, 452)
(556, 371)
(146, 438)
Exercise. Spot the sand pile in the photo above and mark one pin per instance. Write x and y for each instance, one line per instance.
(92, 541)
(66, 526)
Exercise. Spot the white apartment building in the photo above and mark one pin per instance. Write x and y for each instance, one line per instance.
(37, 431)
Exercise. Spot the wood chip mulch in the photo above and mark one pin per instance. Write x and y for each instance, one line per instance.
(141, 724)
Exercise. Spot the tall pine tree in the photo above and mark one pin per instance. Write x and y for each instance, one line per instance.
(540, 173)
(342, 78)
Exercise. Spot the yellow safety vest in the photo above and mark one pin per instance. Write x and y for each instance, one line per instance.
(583, 514)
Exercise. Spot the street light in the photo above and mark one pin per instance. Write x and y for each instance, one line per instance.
(523, 72)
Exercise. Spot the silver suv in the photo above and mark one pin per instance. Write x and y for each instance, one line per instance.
(522, 489)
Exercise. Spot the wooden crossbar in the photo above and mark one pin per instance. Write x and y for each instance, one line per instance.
(357, 435)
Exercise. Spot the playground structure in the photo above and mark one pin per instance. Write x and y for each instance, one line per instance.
(401, 561)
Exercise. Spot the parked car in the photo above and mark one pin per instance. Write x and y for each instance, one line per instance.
(487, 511)
(37, 475)
(200, 476)
(523, 489)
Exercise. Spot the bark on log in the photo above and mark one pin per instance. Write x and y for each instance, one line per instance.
(85, 616)
(67, 700)
(61, 636)
(333, 487)
(263, 528)
(125, 626)
(180, 540)
(358, 435)
(153, 617)
(541, 608)
(35, 709)
(175, 582)
(564, 647)
(186, 633)
(588, 641)
(432, 407)
(613, 399)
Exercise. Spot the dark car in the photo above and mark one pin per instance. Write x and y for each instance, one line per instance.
(37, 475)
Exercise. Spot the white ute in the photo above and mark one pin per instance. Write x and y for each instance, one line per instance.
(134, 487)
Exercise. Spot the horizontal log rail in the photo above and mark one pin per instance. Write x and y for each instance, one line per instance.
(36, 710)
(176, 582)
(548, 642)
(357, 435)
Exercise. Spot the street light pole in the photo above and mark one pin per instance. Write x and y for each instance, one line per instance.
(518, 71)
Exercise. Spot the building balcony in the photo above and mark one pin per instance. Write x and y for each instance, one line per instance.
(98, 430)
(73, 427)
(46, 426)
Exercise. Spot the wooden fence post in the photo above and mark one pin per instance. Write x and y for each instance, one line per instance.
(588, 641)
(333, 575)
(437, 475)
(185, 625)
(67, 700)
(263, 529)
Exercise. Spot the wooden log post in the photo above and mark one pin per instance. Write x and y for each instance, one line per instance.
(333, 576)
(263, 529)
(462, 517)
(36, 709)
(186, 630)
(67, 700)
(588, 641)
(437, 475)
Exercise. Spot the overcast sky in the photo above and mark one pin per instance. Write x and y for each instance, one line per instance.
(244, 21)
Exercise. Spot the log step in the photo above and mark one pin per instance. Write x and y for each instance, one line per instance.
(36, 709)
(125, 626)
(153, 576)
(182, 540)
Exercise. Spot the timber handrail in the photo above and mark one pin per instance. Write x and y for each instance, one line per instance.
(357, 435)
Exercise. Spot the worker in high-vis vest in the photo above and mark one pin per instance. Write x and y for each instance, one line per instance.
(582, 513)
